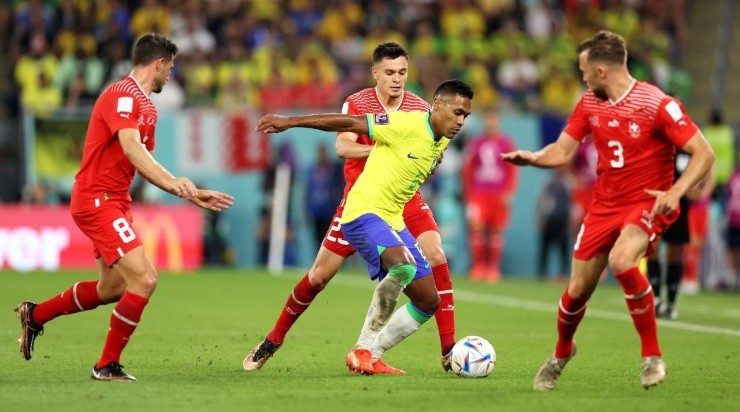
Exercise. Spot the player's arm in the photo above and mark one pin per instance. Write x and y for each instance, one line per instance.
(702, 159)
(676, 124)
(330, 122)
(346, 145)
(553, 155)
(348, 148)
(150, 169)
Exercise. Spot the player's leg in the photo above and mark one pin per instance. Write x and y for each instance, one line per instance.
(674, 273)
(424, 302)
(421, 224)
(589, 260)
(383, 303)
(79, 297)
(676, 237)
(141, 280)
(385, 254)
(497, 219)
(655, 277)
(324, 268)
(698, 218)
(430, 243)
(634, 243)
(332, 253)
(571, 309)
(476, 238)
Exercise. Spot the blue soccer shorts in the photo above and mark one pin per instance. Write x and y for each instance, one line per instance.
(371, 235)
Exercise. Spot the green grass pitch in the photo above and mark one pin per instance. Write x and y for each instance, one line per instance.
(188, 350)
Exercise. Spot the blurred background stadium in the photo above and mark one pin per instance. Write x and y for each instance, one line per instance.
(240, 58)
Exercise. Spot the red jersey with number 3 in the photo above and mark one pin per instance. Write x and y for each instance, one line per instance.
(635, 138)
(366, 102)
(105, 168)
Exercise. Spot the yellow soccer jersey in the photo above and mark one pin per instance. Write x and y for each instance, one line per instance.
(403, 156)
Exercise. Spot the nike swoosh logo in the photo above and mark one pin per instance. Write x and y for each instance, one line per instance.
(411, 156)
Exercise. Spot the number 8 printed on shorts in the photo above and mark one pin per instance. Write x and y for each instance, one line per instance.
(124, 230)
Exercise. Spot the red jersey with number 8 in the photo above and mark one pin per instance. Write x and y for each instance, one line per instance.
(105, 168)
(635, 138)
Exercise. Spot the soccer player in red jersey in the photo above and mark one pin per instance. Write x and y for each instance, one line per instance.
(488, 185)
(119, 142)
(390, 70)
(635, 128)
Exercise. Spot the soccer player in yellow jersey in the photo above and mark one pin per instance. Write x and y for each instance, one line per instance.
(408, 147)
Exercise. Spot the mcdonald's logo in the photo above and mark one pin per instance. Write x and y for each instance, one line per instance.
(152, 229)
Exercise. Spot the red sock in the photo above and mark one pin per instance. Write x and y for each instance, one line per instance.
(81, 296)
(477, 249)
(497, 245)
(641, 304)
(123, 321)
(570, 314)
(298, 301)
(445, 315)
(691, 260)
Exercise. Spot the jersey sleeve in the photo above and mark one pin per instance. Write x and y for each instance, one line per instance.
(349, 107)
(120, 111)
(383, 127)
(578, 125)
(674, 122)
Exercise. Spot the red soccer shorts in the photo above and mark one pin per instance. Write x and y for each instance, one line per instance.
(109, 228)
(416, 214)
(488, 210)
(601, 228)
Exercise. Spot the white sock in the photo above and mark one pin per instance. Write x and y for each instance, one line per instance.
(384, 301)
(404, 322)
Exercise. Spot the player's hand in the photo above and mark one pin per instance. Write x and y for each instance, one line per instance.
(183, 187)
(519, 157)
(212, 200)
(665, 202)
(272, 123)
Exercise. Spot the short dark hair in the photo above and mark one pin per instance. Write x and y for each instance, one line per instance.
(151, 47)
(454, 87)
(605, 46)
(388, 50)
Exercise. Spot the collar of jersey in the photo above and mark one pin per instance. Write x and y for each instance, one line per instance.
(429, 128)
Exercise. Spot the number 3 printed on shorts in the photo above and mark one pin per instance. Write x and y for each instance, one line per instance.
(618, 153)
(124, 230)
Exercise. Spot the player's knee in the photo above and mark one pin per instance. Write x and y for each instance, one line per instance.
(429, 303)
(579, 291)
(435, 256)
(403, 272)
(109, 293)
(620, 261)
(320, 275)
(146, 283)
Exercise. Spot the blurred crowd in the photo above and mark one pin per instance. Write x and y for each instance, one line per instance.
(311, 54)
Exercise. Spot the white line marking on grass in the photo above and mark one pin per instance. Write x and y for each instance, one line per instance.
(537, 306)
(511, 302)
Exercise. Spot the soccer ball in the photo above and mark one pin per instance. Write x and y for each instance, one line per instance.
(473, 357)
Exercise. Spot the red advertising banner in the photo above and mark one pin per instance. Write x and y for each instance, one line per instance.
(46, 238)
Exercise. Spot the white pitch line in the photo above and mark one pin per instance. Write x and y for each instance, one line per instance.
(511, 302)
